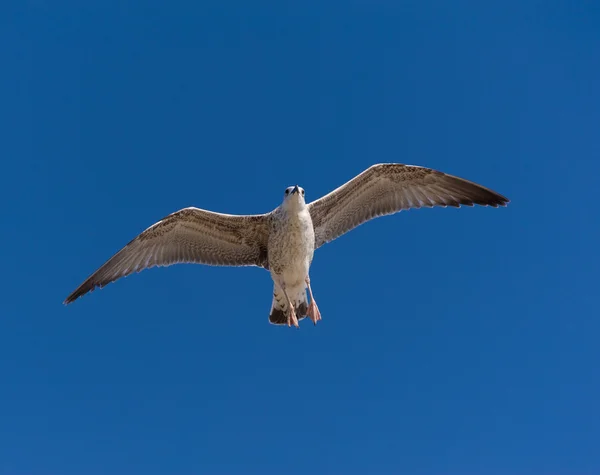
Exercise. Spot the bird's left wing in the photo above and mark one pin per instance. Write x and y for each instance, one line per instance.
(388, 188)
(189, 235)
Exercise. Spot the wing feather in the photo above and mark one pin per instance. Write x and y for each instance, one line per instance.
(190, 235)
(388, 188)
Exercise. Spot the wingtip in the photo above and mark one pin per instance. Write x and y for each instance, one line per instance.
(502, 201)
(73, 296)
(495, 200)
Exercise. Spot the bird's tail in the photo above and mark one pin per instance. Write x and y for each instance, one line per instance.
(280, 310)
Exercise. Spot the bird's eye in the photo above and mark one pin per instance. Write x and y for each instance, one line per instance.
(287, 192)
(302, 192)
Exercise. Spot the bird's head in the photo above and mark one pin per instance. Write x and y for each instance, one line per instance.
(293, 197)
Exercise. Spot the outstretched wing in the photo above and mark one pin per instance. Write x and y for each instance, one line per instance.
(388, 188)
(189, 235)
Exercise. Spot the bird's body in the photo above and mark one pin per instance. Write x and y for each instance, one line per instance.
(290, 251)
(284, 240)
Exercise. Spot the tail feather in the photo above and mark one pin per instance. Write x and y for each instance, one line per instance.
(279, 307)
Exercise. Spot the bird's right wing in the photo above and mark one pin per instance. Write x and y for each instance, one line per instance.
(388, 188)
(189, 235)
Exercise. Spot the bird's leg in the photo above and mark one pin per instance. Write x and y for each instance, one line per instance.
(313, 310)
(292, 319)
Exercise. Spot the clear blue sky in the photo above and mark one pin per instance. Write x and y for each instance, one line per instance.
(453, 341)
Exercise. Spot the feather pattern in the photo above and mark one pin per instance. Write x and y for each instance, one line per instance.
(283, 241)
(388, 188)
(190, 235)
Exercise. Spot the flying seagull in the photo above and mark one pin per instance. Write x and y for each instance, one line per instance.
(283, 241)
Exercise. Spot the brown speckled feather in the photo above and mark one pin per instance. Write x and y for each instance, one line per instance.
(189, 235)
(388, 188)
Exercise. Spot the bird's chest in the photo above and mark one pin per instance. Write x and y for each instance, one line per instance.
(292, 245)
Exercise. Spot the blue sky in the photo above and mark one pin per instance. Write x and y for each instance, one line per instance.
(452, 341)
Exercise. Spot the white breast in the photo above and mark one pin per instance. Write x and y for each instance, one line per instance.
(291, 249)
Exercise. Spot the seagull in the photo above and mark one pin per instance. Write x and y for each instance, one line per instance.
(284, 240)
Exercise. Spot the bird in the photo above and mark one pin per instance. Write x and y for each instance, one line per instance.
(283, 241)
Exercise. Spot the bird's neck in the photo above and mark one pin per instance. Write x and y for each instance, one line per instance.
(295, 212)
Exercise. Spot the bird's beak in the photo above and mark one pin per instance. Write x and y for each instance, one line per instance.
(295, 190)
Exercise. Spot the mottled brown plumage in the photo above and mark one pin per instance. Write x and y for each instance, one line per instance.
(190, 235)
(388, 188)
(283, 241)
